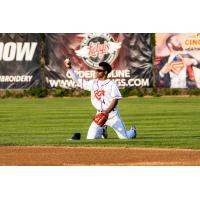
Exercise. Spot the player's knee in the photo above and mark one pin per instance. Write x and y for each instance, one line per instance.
(90, 137)
(123, 137)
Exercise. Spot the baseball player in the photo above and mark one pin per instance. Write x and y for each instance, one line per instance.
(104, 97)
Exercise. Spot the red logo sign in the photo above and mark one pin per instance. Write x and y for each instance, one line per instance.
(98, 94)
(97, 49)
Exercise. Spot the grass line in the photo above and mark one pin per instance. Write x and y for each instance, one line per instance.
(172, 122)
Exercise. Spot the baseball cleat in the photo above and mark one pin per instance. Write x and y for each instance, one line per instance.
(133, 127)
(105, 133)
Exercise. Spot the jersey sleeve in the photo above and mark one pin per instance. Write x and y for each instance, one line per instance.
(115, 93)
(82, 83)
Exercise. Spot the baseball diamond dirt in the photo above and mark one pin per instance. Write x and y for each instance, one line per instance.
(73, 156)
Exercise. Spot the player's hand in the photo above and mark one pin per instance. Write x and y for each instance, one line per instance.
(67, 63)
(190, 61)
(100, 118)
(167, 68)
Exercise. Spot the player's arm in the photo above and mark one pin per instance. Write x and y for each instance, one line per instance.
(165, 69)
(190, 61)
(83, 83)
(116, 96)
(113, 104)
(101, 118)
(68, 66)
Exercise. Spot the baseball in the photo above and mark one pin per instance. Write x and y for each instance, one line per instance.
(67, 63)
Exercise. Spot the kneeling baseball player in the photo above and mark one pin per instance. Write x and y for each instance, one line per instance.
(104, 96)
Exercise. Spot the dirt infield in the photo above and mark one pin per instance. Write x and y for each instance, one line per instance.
(65, 156)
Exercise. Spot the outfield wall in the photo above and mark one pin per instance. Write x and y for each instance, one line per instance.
(36, 60)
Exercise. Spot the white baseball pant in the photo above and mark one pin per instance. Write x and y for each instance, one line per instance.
(95, 131)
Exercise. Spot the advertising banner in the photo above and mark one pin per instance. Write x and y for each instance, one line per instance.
(19, 60)
(129, 54)
(177, 60)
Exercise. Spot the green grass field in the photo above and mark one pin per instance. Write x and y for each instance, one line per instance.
(167, 122)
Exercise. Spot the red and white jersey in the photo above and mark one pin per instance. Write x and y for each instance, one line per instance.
(102, 91)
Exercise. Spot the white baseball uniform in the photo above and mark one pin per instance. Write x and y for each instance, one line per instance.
(102, 94)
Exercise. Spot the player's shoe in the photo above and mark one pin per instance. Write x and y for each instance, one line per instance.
(133, 127)
(105, 133)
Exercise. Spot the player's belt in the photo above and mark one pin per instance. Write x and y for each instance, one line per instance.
(102, 110)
